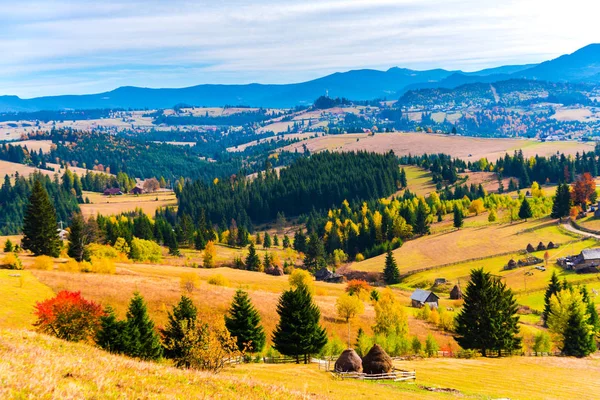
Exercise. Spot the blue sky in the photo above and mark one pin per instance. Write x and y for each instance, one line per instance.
(54, 47)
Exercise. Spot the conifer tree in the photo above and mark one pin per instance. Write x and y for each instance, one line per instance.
(267, 261)
(315, 253)
(78, 239)
(300, 241)
(172, 243)
(243, 322)
(142, 341)
(199, 240)
(275, 241)
(488, 320)
(111, 335)
(8, 246)
(286, 242)
(525, 210)
(553, 288)
(252, 259)
(421, 223)
(391, 274)
(578, 340)
(298, 332)
(562, 201)
(458, 217)
(258, 238)
(40, 230)
(182, 317)
(267, 241)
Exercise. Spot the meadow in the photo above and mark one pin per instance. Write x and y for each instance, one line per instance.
(113, 205)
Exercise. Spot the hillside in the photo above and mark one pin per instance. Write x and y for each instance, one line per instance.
(38, 366)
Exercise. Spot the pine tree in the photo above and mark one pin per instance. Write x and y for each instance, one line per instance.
(458, 217)
(300, 241)
(142, 341)
(40, 231)
(525, 210)
(267, 261)
(488, 320)
(391, 274)
(315, 253)
(267, 241)
(111, 335)
(252, 260)
(258, 238)
(286, 241)
(553, 288)
(275, 241)
(182, 317)
(78, 239)
(421, 223)
(298, 332)
(403, 181)
(578, 340)
(199, 240)
(243, 322)
(8, 246)
(562, 201)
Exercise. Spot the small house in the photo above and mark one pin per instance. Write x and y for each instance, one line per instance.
(421, 297)
(137, 190)
(439, 281)
(113, 192)
(325, 275)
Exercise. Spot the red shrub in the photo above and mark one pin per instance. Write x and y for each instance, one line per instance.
(68, 316)
(358, 287)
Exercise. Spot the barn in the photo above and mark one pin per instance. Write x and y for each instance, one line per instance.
(421, 297)
(113, 192)
(137, 190)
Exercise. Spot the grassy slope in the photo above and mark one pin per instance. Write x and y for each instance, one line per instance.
(38, 366)
(105, 205)
(18, 296)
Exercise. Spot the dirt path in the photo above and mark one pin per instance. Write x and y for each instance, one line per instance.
(571, 228)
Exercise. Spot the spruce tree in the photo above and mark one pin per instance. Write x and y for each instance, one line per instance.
(562, 201)
(243, 322)
(525, 210)
(300, 241)
(315, 253)
(8, 246)
(298, 332)
(578, 339)
(267, 241)
(553, 288)
(78, 239)
(391, 274)
(40, 230)
(182, 317)
(252, 260)
(421, 223)
(488, 320)
(111, 335)
(275, 241)
(458, 218)
(199, 240)
(286, 242)
(142, 341)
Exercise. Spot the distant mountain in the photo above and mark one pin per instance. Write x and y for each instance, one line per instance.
(581, 66)
(366, 84)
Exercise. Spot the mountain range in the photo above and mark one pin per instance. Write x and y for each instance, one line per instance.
(365, 84)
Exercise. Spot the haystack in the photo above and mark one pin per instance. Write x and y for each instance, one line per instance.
(530, 248)
(541, 246)
(349, 361)
(552, 245)
(512, 264)
(377, 361)
(456, 293)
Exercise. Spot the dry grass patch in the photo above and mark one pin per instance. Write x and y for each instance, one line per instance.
(113, 205)
(19, 291)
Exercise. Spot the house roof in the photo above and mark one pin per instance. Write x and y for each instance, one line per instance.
(112, 190)
(590, 254)
(422, 295)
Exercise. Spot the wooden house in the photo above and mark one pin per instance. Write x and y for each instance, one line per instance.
(420, 297)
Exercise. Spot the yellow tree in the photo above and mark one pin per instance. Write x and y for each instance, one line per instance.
(390, 316)
(348, 307)
(210, 253)
(476, 207)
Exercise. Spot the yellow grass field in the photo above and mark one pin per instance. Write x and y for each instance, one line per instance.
(41, 367)
(112, 205)
(467, 148)
(467, 243)
(18, 295)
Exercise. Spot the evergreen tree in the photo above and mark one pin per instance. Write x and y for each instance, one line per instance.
(142, 341)
(199, 240)
(40, 230)
(78, 239)
(300, 241)
(286, 242)
(458, 217)
(111, 335)
(562, 201)
(553, 288)
(488, 320)
(298, 332)
(391, 274)
(267, 241)
(252, 260)
(421, 226)
(315, 253)
(172, 243)
(275, 241)
(578, 340)
(258, 238)
(182, 317)
(8, 246)
(267, 261)
(525, 210)
(243, 322)
(403, 181)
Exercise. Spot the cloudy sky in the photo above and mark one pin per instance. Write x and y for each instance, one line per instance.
(53, 47)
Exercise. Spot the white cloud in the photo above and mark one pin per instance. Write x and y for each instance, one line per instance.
(69, 46)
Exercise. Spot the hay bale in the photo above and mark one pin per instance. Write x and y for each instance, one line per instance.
(541, 246)
(456, 293)
(377, 361)
(530, 248)
(551, 245)
(349, 361)
(512, 264)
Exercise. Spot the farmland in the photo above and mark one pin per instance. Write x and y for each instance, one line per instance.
(113, 205)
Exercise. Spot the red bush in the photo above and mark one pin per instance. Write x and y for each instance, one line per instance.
(68, 316)
(357, 286)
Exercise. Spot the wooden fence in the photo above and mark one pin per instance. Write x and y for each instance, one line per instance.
(395, 375)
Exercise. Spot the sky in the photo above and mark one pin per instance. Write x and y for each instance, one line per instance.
(52, 47)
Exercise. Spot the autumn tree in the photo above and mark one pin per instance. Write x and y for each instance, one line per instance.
(348, 307)
(584, 189)
(210, 253)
